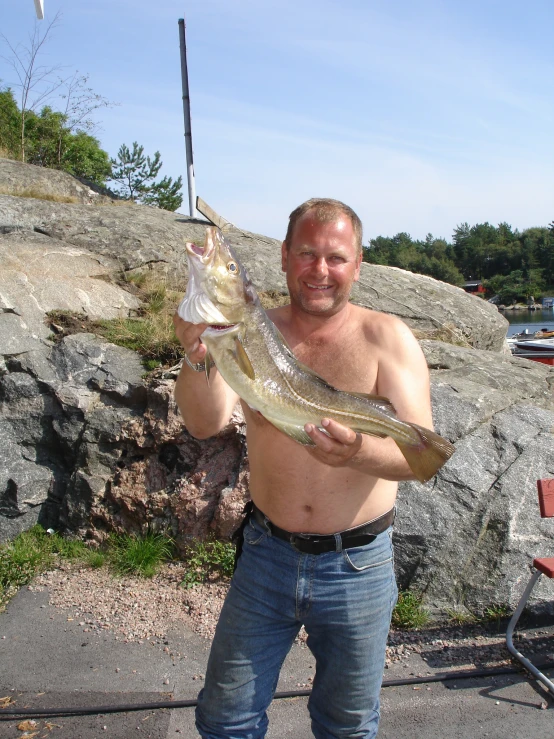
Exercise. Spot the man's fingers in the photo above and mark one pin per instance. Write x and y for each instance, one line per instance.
(339, 432)
(320, 439)
(189, 336)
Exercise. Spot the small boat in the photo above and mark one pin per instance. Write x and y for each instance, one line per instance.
(539, 346)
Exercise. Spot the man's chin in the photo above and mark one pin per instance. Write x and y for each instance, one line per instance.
(319, 305)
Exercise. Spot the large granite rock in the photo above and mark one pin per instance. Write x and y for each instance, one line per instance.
(17, 177)
(89, 445)
(40, 274)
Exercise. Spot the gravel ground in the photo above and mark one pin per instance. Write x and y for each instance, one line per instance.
(138, 609)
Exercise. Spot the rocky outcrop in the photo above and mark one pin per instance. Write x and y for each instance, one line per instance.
(431, 306)
(17, 177)
(469, 536)
(89, 444)
(41, 274)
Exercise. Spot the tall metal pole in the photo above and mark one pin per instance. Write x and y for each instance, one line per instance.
(186, 114)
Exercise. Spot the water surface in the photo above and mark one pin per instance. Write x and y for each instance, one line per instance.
(533, 320)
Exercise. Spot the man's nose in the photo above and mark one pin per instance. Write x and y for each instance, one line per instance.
(320, 266)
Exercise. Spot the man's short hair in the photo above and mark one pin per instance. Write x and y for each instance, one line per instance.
(326, 210)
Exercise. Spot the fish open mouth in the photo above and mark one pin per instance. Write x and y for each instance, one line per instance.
(221, 328)
(196, 249)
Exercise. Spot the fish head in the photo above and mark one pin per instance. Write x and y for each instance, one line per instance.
(218, 289)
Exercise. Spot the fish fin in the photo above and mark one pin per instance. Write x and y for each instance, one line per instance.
(308, 370)
(243, 361)
(294, 432)
(426, 458)
(315, 377)
(378, 400)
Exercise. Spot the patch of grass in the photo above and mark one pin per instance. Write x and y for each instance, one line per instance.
(208, 558)
(139, 555)
(32, 552)
(273, 299)
(21, 558)
(37, 194)
(496, 612)
(151, 364)
(447, 333)
(461, 617)
(138, 279)
(96, 559)
(150, 333)
(409, 612)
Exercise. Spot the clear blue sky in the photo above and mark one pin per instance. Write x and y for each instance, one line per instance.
(420, 115)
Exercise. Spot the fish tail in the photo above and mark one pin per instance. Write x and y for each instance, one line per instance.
(427, 457)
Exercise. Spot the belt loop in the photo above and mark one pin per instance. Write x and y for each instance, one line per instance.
(338, 542)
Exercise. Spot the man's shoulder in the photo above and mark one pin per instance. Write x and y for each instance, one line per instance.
(386, 333)
(376, 321)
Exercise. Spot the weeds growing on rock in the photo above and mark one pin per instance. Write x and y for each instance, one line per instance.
(496, 612)
(150, 333)
(461, 617)
(409, 612)
(37, 194)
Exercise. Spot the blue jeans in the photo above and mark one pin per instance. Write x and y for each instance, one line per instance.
(345, 601)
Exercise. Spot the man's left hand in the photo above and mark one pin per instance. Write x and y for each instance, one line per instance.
(337, 446)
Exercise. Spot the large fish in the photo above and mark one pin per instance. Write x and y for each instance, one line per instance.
(256, 362)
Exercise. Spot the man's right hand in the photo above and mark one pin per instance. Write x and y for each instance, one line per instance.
(189, 336)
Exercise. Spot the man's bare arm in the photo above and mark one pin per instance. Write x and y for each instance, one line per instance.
(403, 377)
(206, 409)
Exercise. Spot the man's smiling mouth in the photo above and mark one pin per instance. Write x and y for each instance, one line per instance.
(318, 287)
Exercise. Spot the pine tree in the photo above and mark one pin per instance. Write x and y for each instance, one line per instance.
(134, 172)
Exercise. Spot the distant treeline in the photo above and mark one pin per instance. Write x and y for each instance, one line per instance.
(512, 264)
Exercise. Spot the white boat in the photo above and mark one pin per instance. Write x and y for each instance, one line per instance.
(539, 346)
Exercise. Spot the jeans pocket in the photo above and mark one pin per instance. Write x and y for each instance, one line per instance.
(370, 556)
(254, 533)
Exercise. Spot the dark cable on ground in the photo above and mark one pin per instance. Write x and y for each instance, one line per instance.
(10, 713)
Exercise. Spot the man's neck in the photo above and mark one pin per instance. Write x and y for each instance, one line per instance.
(305, 325)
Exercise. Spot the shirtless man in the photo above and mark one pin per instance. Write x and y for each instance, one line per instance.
(339, 582)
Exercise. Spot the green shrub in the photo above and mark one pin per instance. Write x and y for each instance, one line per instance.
(205, 558)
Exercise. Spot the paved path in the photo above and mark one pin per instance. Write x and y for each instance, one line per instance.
(47, 660)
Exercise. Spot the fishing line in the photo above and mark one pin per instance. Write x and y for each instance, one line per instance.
(10, 713)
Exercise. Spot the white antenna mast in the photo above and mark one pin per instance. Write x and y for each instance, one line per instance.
(186, 113)
(39, 7)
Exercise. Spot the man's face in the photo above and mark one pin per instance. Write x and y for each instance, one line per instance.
(321, 264)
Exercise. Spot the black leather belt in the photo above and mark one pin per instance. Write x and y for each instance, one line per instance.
(321, 543)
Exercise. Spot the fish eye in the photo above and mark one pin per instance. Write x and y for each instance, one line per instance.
(233, 267)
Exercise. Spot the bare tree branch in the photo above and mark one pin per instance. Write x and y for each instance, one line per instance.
(34, 80)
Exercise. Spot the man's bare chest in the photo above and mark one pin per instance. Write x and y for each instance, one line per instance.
(342, 363)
